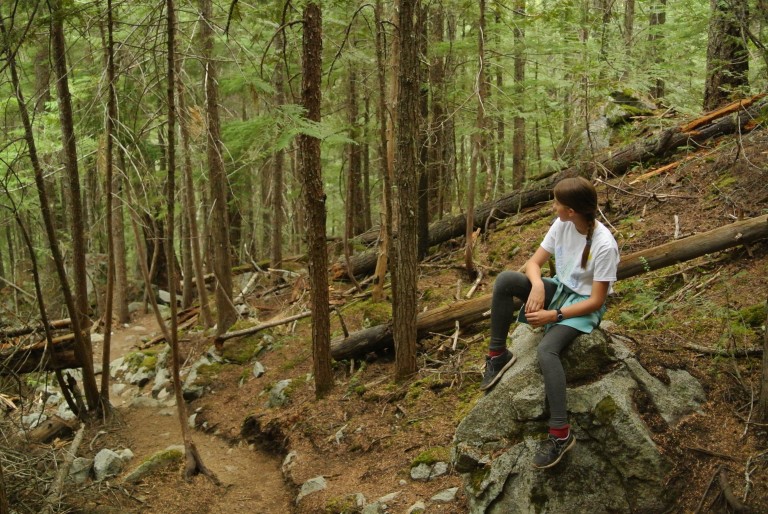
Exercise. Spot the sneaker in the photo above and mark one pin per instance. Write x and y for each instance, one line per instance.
(495, 368)
(552, 450)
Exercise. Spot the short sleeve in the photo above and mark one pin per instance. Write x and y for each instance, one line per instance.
(550, 240)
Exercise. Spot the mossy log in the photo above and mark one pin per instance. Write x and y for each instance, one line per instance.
(471, 311)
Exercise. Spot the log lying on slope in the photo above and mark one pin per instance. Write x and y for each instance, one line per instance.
(474, 310)
(714, 124)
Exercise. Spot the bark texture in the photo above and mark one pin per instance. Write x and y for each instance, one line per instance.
(314, 200)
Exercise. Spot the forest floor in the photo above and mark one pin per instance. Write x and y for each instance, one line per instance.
(364, 436)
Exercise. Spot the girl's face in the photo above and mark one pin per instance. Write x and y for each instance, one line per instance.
(563, 212)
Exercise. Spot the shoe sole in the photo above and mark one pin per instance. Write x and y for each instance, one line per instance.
(500, 374)
(559, 457)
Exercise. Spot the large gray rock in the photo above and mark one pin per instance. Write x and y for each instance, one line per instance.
(107, 463)
(615, 465)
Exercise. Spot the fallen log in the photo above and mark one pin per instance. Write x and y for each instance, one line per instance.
(29, 329)
(34, 357)
(618, 163)
(471, 311)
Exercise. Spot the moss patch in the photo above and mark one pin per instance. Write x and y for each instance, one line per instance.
(242, 351)
(432, 455)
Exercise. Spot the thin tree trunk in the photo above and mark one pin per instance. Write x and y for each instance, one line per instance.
(629, 34)
(658, 18)
(278, 174)
(477, 144)
(314, 200)
(518, 136)
(194, 464)
(225, 307)
(436, 167)
(108, 182)
(385, 227)
(424, 184)
(762, 404)
(82, 340)
(190, 204)
(405, 270)
(118, 237)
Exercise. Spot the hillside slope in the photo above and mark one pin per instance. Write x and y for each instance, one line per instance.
(364, 437)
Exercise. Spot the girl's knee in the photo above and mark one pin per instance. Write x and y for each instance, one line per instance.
(510, 280)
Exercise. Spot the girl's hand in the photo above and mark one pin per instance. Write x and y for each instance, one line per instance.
(535, 300)
(540, 317)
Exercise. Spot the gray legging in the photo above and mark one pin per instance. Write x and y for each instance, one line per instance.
(508, 286)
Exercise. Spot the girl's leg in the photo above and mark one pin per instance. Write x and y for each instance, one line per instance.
(551, 346)
(508, 286)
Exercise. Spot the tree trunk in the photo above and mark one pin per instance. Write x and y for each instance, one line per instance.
(118, 236)
(727, 54)
(471, 311)
(629, 33)
(436, 164)
(225, 307)
(69, 143)
(762, 403)
(477, 147)
(108, 183)
(381, 256)
(518, 131)
(194, 464)
(314, 200)
(424, 184)
(190, 204)
(658, 18)
(406, 178)
(278, 180)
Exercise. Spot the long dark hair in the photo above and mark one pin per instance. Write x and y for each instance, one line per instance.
(580, 195)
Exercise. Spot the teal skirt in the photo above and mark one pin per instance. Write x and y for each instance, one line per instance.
(564, 297)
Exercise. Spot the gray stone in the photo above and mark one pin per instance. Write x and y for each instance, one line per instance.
(162, 381)
(144, 402)
(107, 464)
(615, 465)
(159, 460)
(125, 454)
(277, 396)
(258, 369)
(65, 413)
(80, 470)
(32, 420)
(421, 472)
(118, 388)
(438, 469)
(445, 496)
(141, 377)
(312, 485)
(417, 508)
(135, 307)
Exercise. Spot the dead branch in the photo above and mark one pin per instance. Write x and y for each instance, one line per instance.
(732, 501)
(219, 340)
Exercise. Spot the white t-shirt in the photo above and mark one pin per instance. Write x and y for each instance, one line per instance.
(567, 244)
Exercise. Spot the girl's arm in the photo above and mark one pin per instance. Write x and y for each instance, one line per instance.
(591, 304)
(535, 300)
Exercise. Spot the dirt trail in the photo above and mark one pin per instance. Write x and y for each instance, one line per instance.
(251, 480)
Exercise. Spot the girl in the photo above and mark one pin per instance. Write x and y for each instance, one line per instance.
(571, 303)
